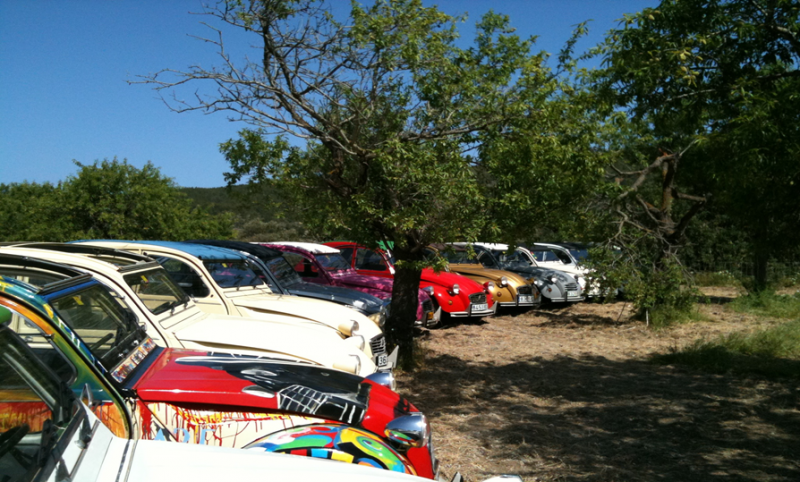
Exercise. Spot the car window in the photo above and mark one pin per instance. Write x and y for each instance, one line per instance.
(232, 273)
(562, 256)
(283, 271)
(41, 345)
(185, 276)
(487, 260)
(156, 289)
(347, 254)
(302, 265)
(368, 259)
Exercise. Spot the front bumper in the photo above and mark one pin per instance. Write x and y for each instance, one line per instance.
(531, 300)
(477, 313)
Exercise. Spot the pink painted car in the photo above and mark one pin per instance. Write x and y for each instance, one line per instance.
(317, 263)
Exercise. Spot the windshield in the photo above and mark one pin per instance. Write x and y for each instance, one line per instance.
(156, 290)
(333, 262)
(93, 314)
(458, 257)
(580, 254)
(232, 273)
(513, 260)
(283, 271)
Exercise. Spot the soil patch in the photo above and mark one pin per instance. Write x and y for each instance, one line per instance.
(566, 393)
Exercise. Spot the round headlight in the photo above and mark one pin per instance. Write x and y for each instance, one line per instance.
(456, 289)
(503, 281)
(552, 279)
(348, 328)
(350, 364)
(538, 282)
(489, 285)
(428, 289)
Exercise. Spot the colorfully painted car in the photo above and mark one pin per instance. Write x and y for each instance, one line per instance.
(283, 279)
(317, 263)
(171, 317)
(141, 391)
(47, 434)
(507, 289)
(458, 296)
(224, 281)
(554, 285)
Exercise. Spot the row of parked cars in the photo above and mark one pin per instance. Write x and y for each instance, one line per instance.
(276, 348)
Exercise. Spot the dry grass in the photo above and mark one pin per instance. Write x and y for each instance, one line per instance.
(566, 393)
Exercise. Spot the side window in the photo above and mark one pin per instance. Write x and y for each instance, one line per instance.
(538, 255)
(41, 345)
(23, 409)
(368, 259)
(185, 276)
(550, 256)
(347, 253)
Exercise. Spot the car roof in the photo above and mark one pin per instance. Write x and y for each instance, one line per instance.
(310, 247)
(254, 249)
(494, 246)
(201, 251)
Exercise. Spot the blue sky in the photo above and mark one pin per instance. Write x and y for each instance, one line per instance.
(64, 67)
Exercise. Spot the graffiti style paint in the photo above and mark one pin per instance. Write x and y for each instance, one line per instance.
(335, 442)
(16, 413)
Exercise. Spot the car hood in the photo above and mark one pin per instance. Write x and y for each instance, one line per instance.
(363, 301)
(312, 343)
(351, 278)
(319, 312)
(154, 461)
(491, 274)
(443, 278)
(264, 384)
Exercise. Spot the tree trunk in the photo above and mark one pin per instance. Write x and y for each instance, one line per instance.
(403, 310)
(759, 270)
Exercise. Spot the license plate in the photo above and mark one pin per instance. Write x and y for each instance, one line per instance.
(480, 307)
(526, 298)
(572, 293)
(383, 360)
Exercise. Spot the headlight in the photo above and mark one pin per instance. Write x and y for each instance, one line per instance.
(385, 379)
(503, 281)
(488, 286)
(538, 282)
(350, 364)
(581, 281)
(348, 328)
(376, 317)
(429, 290)
(357, 341)
(408, 431)
(552, 279)
(456, 289)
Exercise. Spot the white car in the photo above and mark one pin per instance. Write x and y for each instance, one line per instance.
(173, 320)
(558, 257)
(224, 281)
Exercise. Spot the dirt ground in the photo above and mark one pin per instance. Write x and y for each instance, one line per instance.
(566, 393)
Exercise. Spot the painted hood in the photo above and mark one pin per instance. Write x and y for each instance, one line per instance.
(358, 299)
(327, 313)
(262, 384)
(314, 344)
(378, 286)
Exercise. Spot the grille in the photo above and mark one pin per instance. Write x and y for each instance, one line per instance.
(525, 290)
(378, 345)
(477, 298)
(571, 286)
(427, 306)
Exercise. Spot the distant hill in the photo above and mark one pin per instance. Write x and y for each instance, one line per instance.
(255, 216)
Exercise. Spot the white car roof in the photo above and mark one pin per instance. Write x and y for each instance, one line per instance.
(71, 259)
(310, 247)
(495, 246)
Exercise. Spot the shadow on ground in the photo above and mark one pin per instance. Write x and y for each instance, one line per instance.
(595, 419)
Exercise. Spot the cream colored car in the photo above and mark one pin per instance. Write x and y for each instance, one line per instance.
(173, 319)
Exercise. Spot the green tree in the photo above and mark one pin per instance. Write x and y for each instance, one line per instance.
(392, 111)
(107, 199)
(722, 74)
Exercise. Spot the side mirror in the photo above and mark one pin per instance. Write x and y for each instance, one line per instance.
(408, 431)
